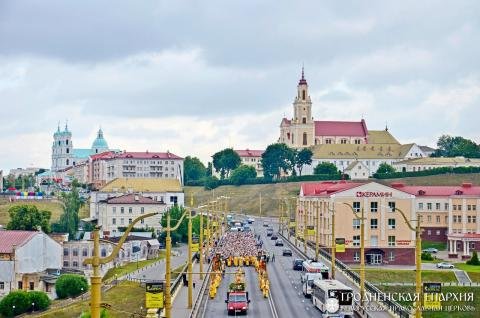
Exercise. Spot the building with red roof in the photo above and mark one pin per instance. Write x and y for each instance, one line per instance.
(448, 214)
(252, 158)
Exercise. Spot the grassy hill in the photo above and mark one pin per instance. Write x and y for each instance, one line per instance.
(51, 205)
(246, 198)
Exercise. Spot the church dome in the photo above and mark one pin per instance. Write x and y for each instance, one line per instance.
(99, 143)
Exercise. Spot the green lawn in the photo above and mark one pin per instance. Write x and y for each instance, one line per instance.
(438, 245)
(474, 276)
(454, 313)
(406, 276)
(130, 267)
(126, 298)
(468, 268)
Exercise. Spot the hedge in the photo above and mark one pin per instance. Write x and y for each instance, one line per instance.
(70, 285)
(429, 172)
(23, 301)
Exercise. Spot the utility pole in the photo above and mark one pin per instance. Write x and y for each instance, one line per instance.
(333, 242)
(190, 275)
(260, 204)
(317, 230)
(304, 228)
(200, 246)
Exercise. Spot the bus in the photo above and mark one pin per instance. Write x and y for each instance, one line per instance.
(309, 267)
(332, 298)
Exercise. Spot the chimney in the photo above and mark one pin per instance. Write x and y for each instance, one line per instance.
(137, 198)
(466, 185)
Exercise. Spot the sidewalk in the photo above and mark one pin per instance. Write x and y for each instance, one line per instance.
(180, 299)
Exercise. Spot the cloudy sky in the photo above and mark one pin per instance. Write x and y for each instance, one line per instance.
(193, 77)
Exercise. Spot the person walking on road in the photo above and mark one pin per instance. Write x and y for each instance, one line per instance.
(273, 257)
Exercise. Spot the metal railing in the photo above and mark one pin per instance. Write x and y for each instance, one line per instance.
(201, 294)
(393, 306)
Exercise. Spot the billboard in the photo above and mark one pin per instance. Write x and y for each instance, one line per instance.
(154, 295)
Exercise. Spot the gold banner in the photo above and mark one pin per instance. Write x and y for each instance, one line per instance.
(195, 248)
(340, 245)
(206, 233)
(431, 301)
(154, 295)
(310, 232)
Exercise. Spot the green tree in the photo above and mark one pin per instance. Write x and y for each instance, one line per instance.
(326, 168)
(302, 158)
(40, 299)
(385, 168)
(211, 183)
(277, 158)
(209, 171)
(474, 259)
(19, 299)
(193, 169)
(28, 218)
(449, 146)
(69, 219)
(181, 233)
(242, 173)
(225, 161)
(70, 285)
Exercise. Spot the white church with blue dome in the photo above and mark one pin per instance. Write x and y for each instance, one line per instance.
(63, 153)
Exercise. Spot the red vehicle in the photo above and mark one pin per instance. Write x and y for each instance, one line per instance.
(237, 302)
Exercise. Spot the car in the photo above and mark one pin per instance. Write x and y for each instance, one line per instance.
(250, 220)
(297, 264)
(234, 229)
(431, 250)
(274, 237)
(246, 228)
(265, 223)
(279, 242)
(445, 265)
(287, 252)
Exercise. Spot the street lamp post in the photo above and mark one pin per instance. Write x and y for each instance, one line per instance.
(362, 250)
(96, 261)
(333, 260)
(418, 260)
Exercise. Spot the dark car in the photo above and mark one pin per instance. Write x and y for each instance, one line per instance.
(279, 242)
(274, 237)
(297, 264)
(287, 252)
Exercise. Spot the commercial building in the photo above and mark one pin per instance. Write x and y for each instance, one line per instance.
(447, 214)
(426, 163)
(122, 200)
(252, 158)
(25, 259)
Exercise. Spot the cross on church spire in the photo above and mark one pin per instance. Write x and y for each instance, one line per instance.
(303, 81)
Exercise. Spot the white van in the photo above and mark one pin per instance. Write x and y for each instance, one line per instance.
(307, 280)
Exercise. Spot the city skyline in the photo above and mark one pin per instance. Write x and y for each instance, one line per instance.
(149, 70)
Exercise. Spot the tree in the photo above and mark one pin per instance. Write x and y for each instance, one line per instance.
(303, 157)
(19, 299)
(211, 183)
(385, 168)
(456, 146)
(225, 161)
(209, 171)
(28, 218)
(70, 285)
(277, 158)
(40, 299)
(474, 259)
(69, 219)
(181, 233)
(326, 168)
(193, 169)
(242, 173)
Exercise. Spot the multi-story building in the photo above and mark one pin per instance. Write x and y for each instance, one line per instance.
(25, 257)
(252, 158)
(426, 163)
(447, 214)
(108, 166)
(18, 172)
(125, 199)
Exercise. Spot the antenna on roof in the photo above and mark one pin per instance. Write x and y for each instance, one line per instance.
(386, 126)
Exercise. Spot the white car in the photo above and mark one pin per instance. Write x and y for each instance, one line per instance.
(445, 265)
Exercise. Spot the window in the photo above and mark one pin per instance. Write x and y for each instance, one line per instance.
(142, 221)
(429, 218)
(343, 141)
(114, 221)
(357, 142)
(303, 94)
(437, 206)
(356, 224)
(356, 240)
(474, 219)
(68, 162)
(373, 206)
(174, 199)
(429, 232)
(2, 285)
(305, 139)
(20, 285)
(391, 205)
(474, 207)
(391, 240)
(66, 264)
(142, 210)
(75, 252)
(68, 150)
(438, 232)
(356, 206)
(429, 206)
(304, 120)
(391, 224)
(122, 221)
(104, 252)
(129, 221)
(446, 206)
(85, 252)
(114, 210)
(373, 224)
(446, 219)
(459, 207)
(374, 240)
(65, 251)
(356, 256)
(328, 141)
(130, 210)
(420, 206)
(75, 264)
(391, 256)
(122, 210)
(32, 285)
(437, 219)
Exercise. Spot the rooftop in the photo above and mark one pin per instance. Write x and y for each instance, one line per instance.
(381, 137)
(341, 128)
(363, 151)
(131, 199)
(466, 189)
(142, 185)
(250, 153)
(147, 155)
(440, 161)
(326, 188)
(10, 239)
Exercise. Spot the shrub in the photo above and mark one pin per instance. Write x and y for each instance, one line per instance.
(103, 314)
(427, 256)
(40, 299)
(70, 285)
(474, 260)
(20, 299)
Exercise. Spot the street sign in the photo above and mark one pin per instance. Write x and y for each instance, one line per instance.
(310, 230)
(154, 295)
(340, 245)
(431, 296)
